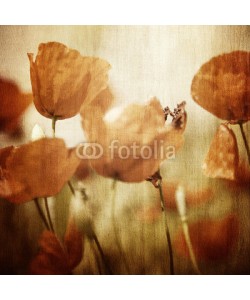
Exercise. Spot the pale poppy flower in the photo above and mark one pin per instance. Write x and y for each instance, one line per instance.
(37, 169)
(221, 86)
(62, 80)
(13, 104)
(136, 142)
(56, 257)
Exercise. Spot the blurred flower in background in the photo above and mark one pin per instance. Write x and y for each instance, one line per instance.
(124, 140)
(13, 104)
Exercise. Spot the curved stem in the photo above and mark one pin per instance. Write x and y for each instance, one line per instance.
(170, 250)
(48, 213)
(41, 214)
(189, 245)
(116, 233)
(245, 141)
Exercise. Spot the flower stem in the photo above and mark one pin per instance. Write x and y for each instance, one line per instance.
(170, 250)
(189, 245)
(41, 214)
(102, 254)
(48, 213)
(71, 188)
(116, 233)
(94, 238)
(97, 259)
(54, 119)
(245, 141)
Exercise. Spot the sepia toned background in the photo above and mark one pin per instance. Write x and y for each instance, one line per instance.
(146, 61)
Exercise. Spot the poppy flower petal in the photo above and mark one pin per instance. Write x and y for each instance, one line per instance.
(73, 244)
(221, 86)
(223, 156)
(41, 167)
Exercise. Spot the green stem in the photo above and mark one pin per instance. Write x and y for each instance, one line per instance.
(48, 213)
(245, 141)
(41, 214)
(170, 250)
(116, 233)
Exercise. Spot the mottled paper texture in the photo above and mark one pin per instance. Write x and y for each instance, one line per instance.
(118, 218)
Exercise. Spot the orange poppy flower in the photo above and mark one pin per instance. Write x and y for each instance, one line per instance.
(211, 239)
(222, 87)
(56, 258)
(13, 104)
(223, 156)
(38, 169)
(62, 80)
(135, 143)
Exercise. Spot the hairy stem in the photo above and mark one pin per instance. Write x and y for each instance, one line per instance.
(170, 250)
